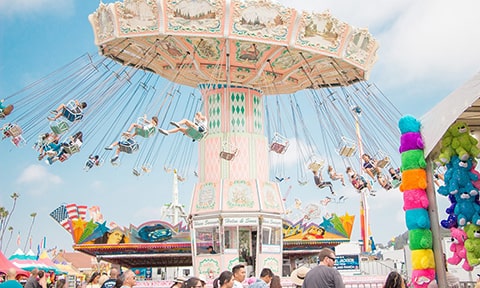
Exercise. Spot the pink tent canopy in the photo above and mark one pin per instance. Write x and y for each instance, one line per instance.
(5, 264)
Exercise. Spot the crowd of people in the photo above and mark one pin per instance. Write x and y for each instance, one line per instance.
(323, 275)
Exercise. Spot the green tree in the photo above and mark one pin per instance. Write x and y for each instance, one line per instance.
(33, 215)
(5, 216)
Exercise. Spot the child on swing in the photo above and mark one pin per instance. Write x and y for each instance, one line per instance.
(199, 123)
(334, 175)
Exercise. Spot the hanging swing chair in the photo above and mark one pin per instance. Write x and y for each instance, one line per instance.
(136, 172)
(6, 111)
(59, 127)
(316, 164)
(14, 132)
(195, 134)
(346, 147)
(395, 183)
(141, 131)
(71, 148)
(228, 151)
(279, 144)
(128, 146)
(302, 182)
(72, 112)
(11, 130)
(92, 162)
(383, 159)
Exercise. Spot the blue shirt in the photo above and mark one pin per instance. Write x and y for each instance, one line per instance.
(11, 284)
(258, 284)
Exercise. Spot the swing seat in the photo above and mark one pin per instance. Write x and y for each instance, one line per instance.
(347, 147)
(89, 164)
(347, 151)
(71, 149)
(228, 152)
(228, 155)
(71, 112)
(194, 134)
(135, 172)
(18, 141)
(63, 157)
(181, 178)
(11, 130)
(278, 147)
(302, 182)
(6, 111)
(72, 116)
(128, 146)
(145, 133)
(146, 168)
(396, 183)
(59, 127)
(315, 165)
(384, 162)
(279, 144)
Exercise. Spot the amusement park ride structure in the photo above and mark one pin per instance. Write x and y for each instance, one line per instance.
(239, 55)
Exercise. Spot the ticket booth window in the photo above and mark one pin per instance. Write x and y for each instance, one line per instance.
(205, 237)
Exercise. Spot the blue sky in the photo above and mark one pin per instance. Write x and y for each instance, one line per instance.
(427, 49)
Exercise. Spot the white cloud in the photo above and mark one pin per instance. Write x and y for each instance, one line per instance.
(19, 7)
(38, 179)
(431, 40)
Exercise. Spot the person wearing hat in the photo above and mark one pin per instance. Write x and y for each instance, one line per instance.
(298, 275)
(478, 281)
(178, 282)
(324, 275)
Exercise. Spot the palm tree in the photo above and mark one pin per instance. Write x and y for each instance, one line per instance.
(33, 215)
(5, 217)
(9, 238)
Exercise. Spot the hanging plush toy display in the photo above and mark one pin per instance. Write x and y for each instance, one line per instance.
(414, 182)
(458, 152)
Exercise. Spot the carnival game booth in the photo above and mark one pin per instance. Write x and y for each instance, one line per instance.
(450, 131)
(234, 238)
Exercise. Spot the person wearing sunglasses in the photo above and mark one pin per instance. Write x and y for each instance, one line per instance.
(324, 275)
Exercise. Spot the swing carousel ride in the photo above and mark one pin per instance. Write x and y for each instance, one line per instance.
(264, 72)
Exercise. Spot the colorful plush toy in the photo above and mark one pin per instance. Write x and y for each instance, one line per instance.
(420, 239)
(408, 123)
(472, 244)
(446, 151)
(451, 220)
(467, 208)
(413, 159)
(422, 277)
(415, 198)
(462, 143)
(475, 183)
(417, 219)
(422, 259)
(458, 248)
(411, 141)
(458, 176)
(413, 179)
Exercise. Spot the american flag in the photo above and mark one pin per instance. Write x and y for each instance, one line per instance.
(61, 216)
(82, 211)
(72, 211)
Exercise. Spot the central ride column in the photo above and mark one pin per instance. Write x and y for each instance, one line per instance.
(235, 208)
